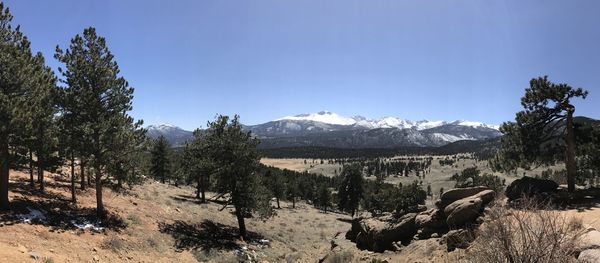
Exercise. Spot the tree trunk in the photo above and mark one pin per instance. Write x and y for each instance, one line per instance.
(241, 223)
(570, 154)
(4, 171)
(88, 177)
(293, 202)
(82, 173)
(41, 173)
(198, 187)
(73, 197)
(40, 159)
(278, 207)
(31, 180)
(203, 188)
(99, 205)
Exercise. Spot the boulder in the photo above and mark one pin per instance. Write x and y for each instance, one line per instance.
(589, 256)
(432, 218)
(453, 195)
(530, 186)
(463, 211)
(589, 240)
(460, 238)
(429, 222)
(377, 235)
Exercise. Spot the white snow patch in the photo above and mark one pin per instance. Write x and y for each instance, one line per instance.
(323, 116)
(386, 122)
(34, 214)
(451, 138)
(87, 225)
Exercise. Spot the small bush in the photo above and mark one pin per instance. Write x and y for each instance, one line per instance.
(113, 243)
(529, 234)
(203, 255)
(134, 219)
(339, 257)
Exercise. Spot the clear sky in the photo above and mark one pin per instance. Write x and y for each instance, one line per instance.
(447, 60)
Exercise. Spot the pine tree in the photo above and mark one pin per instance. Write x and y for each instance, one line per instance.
(39, 115)
(198, 164)
(15, 72)
(161, 159)
(126, 158)
(351, 189)
(104, 100)
(543, 132)
(276, 185)
(233, 153)
(324, 199)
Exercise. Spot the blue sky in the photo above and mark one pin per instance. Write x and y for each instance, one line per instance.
(189, 60)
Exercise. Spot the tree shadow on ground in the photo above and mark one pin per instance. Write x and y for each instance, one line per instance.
(53, 210)
(206, 235)
(187, 198)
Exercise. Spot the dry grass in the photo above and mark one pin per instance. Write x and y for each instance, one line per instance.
(533, 233)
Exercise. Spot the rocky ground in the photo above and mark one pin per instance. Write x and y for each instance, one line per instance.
(162, 223)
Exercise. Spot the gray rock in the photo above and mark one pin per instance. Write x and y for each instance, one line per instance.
(460, 238)
(34, 255)
(589, 240)
(529, 186)
(377, 235)
(429, 222)
(589, 256)
(453, 195)
(463, 211)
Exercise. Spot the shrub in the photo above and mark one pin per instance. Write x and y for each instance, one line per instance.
(529, 234)
(113, 243)
(339, 257)
(203, 255)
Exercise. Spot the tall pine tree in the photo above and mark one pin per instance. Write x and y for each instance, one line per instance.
(543, 132)
(104, 99)
(161, 160)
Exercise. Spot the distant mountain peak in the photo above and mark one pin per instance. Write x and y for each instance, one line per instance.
(328, 117)
(322, 116)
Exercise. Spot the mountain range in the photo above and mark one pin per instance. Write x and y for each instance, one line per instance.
(328, 129)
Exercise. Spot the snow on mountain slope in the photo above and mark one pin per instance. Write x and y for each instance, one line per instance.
(386, 122)
(322, 116)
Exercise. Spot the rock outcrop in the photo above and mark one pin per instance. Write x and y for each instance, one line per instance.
(466, 210)
(379, 234)
(457, 210)
(529, 186)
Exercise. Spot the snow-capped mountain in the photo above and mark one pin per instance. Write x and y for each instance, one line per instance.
(329, 129)
(322, 116)
(385, 122)
(175, 136)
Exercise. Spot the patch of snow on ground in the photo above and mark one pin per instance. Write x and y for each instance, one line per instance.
(87, 225)
(34, 214)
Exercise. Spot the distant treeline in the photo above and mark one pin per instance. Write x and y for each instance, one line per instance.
(482, 150)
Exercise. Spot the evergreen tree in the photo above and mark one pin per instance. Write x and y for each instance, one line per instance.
(324, 198)
(129, 144)
(276, 185)
(233, 152)
(104, 99)
(39, 115)
(351, 188)
(15, 72)
(292, 188)
(198, 164)
(543, 132)
(161, 159)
